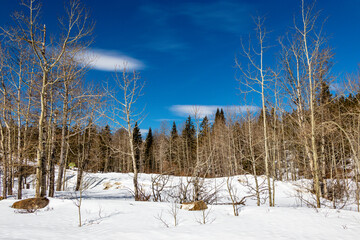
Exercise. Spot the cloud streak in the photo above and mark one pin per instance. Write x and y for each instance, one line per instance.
(107, 60)
(208, 110)
(229, 16)
(336, 87)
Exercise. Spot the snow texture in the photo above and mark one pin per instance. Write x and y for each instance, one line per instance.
(110, 212)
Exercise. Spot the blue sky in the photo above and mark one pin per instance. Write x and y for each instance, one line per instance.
(185, 50)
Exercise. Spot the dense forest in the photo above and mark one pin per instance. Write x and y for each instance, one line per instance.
(53, 119)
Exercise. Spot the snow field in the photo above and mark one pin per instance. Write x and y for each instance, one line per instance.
(113, 214)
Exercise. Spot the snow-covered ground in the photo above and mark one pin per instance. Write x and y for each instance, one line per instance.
(110, 212)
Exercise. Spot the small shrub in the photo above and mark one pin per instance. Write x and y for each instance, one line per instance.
(31, 204)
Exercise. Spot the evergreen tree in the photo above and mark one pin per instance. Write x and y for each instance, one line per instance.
(189, 138)
(217, 114)
(173, 149)
(222, 116)
(219, 122)
(174, 133)
(205, 128)
(219, 118)
(325, 96)
(189, 131)
(148, 152)
(137, 142)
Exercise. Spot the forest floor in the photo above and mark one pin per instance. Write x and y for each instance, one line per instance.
(109, 211)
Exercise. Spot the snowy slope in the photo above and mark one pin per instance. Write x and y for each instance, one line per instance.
(113, 214)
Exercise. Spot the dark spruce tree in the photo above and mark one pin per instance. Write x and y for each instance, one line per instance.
(189, 138)
(137, 142)
(324, 95)
(219, 121)
(219, 117)
(148, 153)
(217, 114)
(174, 133)
(173, 148)
(222, 116)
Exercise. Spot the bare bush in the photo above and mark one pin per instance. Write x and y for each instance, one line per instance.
(235, 201)
(173, 211)
(185, 191)
(158, 183)
(77, 196)
(205, 217)
(258, 192)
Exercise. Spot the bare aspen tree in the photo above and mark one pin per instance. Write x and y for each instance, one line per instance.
(125, 114)
(65, 119)
(76, 26)
(3, 121)
(276, 158)
(231, 143)
(295, 86)
(305, 63)
(73, 95)
(256, 79)
(308, 21)
(4, 163)
(14, 62)
(51, 144)
(7, 92)
(197, 167)
(84, 139)
(253, 159)
(86, 129)
(353, 134)
(162, 151)
(310, 42)
(19, 74)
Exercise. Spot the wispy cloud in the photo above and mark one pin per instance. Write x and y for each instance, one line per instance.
(165, 44)
(208, 110)
(161, 36)
(108, 60)
(166, 119)
(230, 16)
(336, 87)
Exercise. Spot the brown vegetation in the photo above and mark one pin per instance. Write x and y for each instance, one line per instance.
(31, 203)
(194, 206)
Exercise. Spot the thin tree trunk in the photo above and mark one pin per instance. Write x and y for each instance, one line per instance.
(52, 161)
(63, 139)
(5, 164)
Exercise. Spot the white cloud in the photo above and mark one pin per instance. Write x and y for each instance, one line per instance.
(106, 60)
(208, 110)
(144, 132)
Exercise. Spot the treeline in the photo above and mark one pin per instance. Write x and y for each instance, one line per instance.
(49, 116)
(231, 143)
